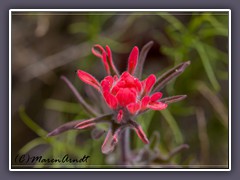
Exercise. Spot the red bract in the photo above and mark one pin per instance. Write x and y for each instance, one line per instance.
(128, 92)
(126, 95)
(133, 59)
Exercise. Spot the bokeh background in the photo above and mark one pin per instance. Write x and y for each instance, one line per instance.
(46, 45)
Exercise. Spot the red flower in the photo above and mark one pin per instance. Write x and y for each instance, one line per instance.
(125, 92)
(126, 95)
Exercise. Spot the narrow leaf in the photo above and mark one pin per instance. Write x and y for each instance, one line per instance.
(169, 75)
(141, 134)
(30, 123)
(117, 133)
(138, 129)
(97, 133)
(85, 124)
(79, 123)
(173, 125)
(64, 127)
(80, 99)
(108, 145)
(173, 99)
(32, 144)
(154, 141)
(207, 65)
(142, 57)
(93, 121)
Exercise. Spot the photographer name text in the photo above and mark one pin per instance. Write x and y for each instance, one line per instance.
(26, 159)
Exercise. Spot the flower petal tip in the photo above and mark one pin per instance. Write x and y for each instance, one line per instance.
(157, 106)
(97, 50)
(88, 79)
(149, 82)
(156, 96)
(133, 59)
(183, 66)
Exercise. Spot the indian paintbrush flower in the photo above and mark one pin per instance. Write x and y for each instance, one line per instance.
(125, 94)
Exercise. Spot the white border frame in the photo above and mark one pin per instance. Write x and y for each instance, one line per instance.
(120, 10)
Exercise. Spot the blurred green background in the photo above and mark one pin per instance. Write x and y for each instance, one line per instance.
(47, 45)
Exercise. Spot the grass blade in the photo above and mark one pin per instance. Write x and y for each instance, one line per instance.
(173, 125)
(207, 65)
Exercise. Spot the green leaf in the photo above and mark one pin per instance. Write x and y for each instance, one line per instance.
(154, 141)
(31, 144)
(207, 65)
(43, 134)
(79, 27)
(31, 124)
(144, 120)
(173, 125)
(173, 21)
(62, 106)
